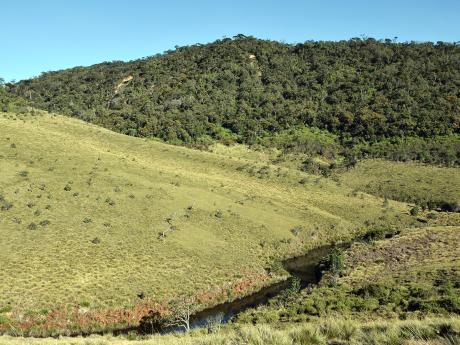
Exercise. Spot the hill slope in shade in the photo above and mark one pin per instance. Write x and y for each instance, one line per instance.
(84, 211)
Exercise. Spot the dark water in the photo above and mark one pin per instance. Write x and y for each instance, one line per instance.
(304, 267)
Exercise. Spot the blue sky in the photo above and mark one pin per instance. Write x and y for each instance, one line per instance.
(44, 35)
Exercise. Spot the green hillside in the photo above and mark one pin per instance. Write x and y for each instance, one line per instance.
(91, 220)
(245, 89)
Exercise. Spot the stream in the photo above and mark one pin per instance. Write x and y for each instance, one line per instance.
(304, 267)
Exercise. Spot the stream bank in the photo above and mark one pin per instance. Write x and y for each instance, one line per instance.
(305, 268)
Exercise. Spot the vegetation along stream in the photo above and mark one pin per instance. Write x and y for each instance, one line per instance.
(304, 268)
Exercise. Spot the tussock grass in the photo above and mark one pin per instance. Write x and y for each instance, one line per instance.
(437, 331)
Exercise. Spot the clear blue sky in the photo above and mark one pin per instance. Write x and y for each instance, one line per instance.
(43, 35)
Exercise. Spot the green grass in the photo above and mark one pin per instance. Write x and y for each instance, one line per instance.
(409, 182)
(434, 331)
(84, 208)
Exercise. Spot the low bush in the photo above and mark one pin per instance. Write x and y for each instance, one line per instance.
(378, 233)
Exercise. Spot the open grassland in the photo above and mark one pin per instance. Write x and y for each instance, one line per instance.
(436, 331)
(91, 220)
(414, 274)
(409, 182)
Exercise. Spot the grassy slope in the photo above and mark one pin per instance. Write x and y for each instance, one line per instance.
(417, 256)
(408, 181)
(236, 223)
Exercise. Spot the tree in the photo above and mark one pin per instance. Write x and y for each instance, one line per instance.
(152, 323)
(336, 264)
(414, 211)
(181, 311)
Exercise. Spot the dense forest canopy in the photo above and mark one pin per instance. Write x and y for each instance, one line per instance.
(243, 89)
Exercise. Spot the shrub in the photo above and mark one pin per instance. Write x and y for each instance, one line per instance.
(67, 188)
(23, 173)
(110, 202)
(276, 268)
(85, 304)
(378, 234)
(4, 320)
(291, 292)
(312, 166)
(414, 211)
(17, 220)
(32, 226)
(6, 206)
(336, 261)
(386, 203)
(432, 215)
(44, 222)
(6, 309)
(375, 290)
(296, 230)
(152, 323)
(95, 240)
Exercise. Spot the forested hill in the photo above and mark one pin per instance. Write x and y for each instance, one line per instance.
(242, 89)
